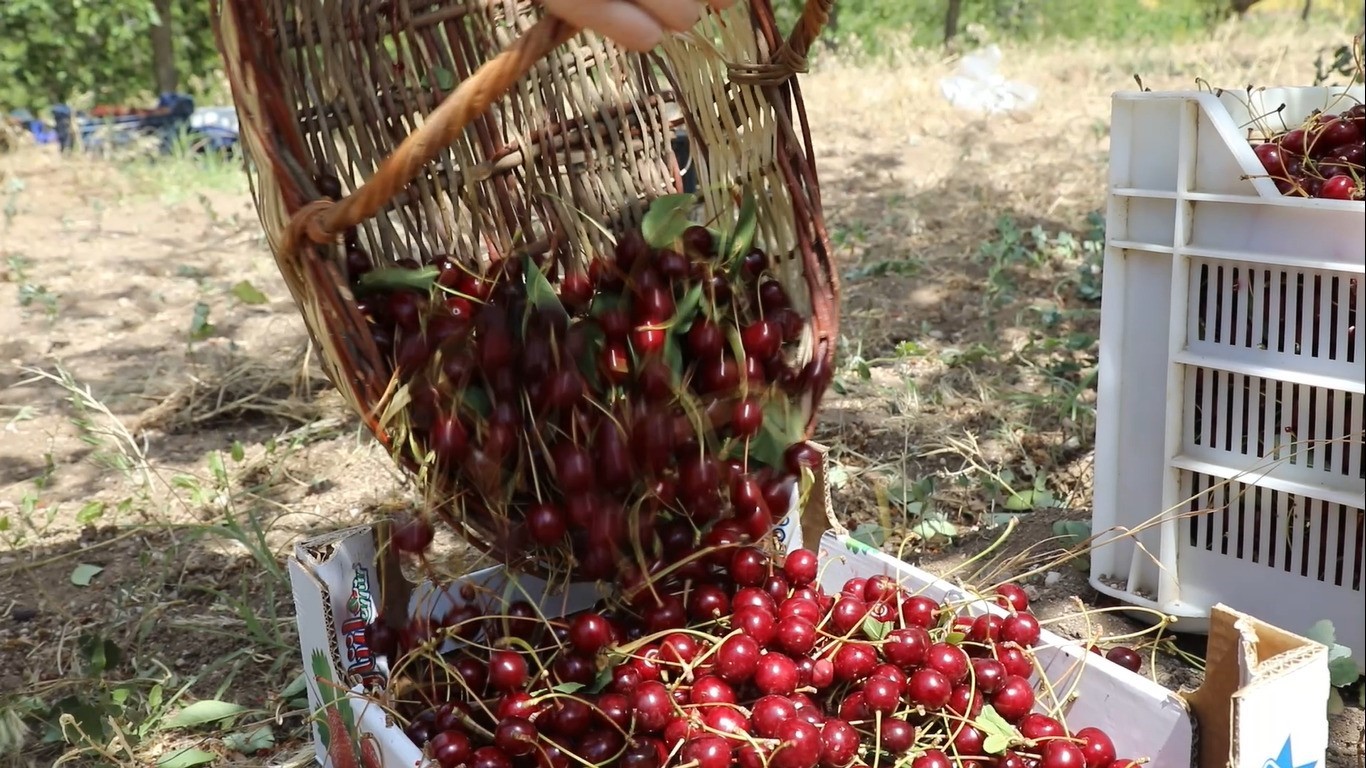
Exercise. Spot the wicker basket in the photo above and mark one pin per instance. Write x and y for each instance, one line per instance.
(552, 141)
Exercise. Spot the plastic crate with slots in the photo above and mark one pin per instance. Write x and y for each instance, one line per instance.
(1229, 452)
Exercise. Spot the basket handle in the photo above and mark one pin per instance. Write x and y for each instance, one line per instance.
(320, 221)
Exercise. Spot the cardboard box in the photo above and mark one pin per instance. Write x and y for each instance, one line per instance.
(1262, 706)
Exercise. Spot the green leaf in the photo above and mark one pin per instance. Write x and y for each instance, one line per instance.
(1072, 532)
(768, 446)
(477, 400)
(603, 680)
(872, 534)
(667, 219)
(201, 712)
(995, 744)
(1029, 500)
(568, 688)
(673, 357)
(83, 573)
(1335, 703)
(91, 512)
(929, 528)
(876, 630)
(1342, 671)
(539, 292)
(297, 687)
(1323, 632)
(248, 294)
(604, 677)
(250, 742)
(216, 468)
(441, 77)
(687, 309)
(100, 653)
(999, 733)
(955, 638)
(397, 278)
(238, 452)
(594, 339)
(184, 758)
(200, 327)
(739, 243)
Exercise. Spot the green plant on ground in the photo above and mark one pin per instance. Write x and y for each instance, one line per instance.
(123, 700)
(1342, 669)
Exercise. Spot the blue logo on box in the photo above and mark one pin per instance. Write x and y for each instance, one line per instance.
(1284, 760)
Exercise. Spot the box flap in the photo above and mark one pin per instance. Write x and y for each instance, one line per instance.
(335, 587)
(1252, 671)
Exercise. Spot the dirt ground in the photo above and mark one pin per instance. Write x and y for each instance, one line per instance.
(165, 438)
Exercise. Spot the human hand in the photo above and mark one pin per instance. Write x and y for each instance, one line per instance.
(635, 24)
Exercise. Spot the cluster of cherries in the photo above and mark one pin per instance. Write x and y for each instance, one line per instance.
(1324, 158)
(733, 660)
(577, 410)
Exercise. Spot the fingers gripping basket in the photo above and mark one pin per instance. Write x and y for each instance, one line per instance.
(490, 141)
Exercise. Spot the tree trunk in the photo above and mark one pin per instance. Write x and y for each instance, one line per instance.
(1304, 12)
(1241, 7)
(951, 20)
(163, 50)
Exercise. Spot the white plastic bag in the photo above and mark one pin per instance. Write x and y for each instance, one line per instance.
(976, 86)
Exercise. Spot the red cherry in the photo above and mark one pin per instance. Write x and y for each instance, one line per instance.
(881, 695)
(1013, 699)
(987, 674)
(489, 757)
(800, 567)
(920, 611)
(796, 635)
(932, 758)
(706, 752)
(1125, 657)
(1097, 747)
(590, 633)
(755, 622)
(653, 705)
(450, 748)
(776, 674)
(412, 535)
(515, 736)
(762, 340)
(708, 690)
(1038, 727)
(769, 713)
(896, 735)
(747, 418)
(1058, 753)
(1022, 629)
(929, 688)
(1341, 187)
(1012, 596)
(950, 660)
(736, 659)
(507, 670)
(839, 744)
(800, 748)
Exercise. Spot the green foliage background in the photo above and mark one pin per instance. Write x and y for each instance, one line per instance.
(99, 50)
(53, 51)
(874, 24)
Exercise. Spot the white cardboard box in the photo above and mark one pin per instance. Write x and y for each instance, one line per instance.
(1262, 706)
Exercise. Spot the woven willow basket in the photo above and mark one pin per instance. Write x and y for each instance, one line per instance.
(551, 141)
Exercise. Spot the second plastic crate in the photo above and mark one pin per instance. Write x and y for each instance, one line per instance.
(1229, 453)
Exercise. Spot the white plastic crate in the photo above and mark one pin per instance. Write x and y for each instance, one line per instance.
(1230, 410)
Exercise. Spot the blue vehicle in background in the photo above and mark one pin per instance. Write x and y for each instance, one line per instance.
(174, 123)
